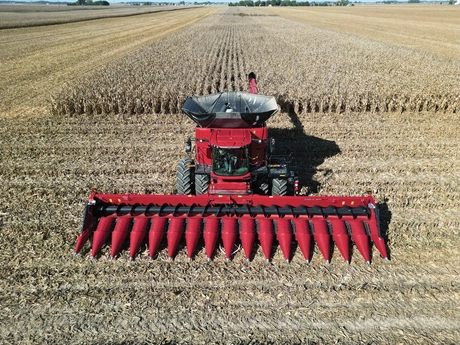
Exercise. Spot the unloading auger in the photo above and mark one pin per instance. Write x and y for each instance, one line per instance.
(234, 190)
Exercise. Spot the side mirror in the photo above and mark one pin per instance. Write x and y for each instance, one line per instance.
(272, 145)
(188, 145)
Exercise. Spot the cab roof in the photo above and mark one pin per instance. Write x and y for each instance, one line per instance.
(230, 138)
(230, 109)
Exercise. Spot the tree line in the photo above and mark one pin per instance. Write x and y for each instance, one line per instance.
(250, 3)
(89, 3)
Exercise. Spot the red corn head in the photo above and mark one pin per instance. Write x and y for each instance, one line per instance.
(192, 235)
(247, 236)
(119, 234)
(211, 235)
(320, 218)
(266, 236)
(303, 237)
(322, 236)
(156, 234)
(137, 235)
(229, 235)
(284, 236)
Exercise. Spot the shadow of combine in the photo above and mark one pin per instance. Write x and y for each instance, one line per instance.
(307, 152)
(385, 220)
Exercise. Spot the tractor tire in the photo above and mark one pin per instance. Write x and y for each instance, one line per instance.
(184, 177)
(201, 183)
(261, 187)
(279, 187)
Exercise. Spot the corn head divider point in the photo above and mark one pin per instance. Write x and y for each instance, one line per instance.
(236, 189)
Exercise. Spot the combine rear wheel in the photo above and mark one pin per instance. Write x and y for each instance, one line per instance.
(201, 183)
(185, 176)
(279, 186)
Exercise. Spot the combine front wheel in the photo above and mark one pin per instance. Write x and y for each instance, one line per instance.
(184, 176)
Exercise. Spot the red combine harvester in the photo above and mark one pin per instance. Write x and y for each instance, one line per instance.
(235, 187)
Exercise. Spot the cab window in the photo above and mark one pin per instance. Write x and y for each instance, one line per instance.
(230, 162)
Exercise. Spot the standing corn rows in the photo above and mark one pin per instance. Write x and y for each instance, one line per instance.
(307, 69)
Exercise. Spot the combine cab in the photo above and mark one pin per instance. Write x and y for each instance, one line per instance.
(233, 154)
(236, 190)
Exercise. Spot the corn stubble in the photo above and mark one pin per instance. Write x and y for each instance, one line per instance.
(410, 160)
(52, 164)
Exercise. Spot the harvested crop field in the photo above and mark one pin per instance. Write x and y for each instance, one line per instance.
(22, 15)
(36, 61)
(53, 151)
(430, 28)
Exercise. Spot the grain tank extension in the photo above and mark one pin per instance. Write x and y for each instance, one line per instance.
(233, 190)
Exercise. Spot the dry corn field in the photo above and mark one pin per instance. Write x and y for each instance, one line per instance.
(317, 71)
(33, 15)
(357, 112)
